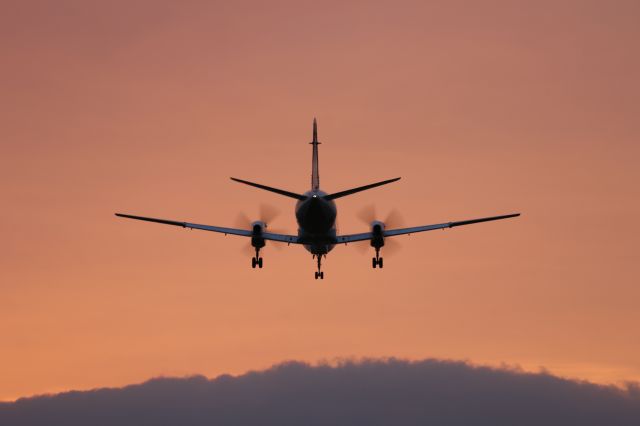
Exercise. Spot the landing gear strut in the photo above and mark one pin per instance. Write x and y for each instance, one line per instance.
(377, 261)
(257, 260)
(319, 273)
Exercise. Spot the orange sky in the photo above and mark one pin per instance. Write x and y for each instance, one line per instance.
(482, 107)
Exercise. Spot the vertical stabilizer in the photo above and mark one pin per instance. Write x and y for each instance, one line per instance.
(315, 176)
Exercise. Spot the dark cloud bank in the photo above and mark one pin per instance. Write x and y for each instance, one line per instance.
(389, 392)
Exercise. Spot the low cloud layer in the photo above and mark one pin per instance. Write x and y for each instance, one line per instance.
(379, 392)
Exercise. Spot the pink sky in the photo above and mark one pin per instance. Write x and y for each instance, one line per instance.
(483, 109)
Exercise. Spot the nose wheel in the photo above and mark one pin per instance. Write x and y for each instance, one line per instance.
(319, 274)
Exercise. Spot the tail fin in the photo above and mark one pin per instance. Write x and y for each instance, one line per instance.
(315, 175)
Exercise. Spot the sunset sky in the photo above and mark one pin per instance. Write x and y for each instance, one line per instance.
(483, 108)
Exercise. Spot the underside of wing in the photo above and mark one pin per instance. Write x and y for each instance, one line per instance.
(281, 238)
(404, 231)
(290, 239)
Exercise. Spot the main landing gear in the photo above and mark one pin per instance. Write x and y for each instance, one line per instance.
(319, 273)
(377, 261)
(257, 260)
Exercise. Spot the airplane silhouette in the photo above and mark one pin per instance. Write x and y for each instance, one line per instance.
(316, 216)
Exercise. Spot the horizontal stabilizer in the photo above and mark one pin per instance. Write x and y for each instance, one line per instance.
(358, 189)
(269, 188)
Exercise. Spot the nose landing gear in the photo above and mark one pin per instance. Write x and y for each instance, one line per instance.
(319, 273)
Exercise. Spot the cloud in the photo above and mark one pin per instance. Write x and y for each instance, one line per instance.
(372, 392)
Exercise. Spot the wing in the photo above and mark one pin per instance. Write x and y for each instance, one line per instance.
(402, 231)
(290, 239)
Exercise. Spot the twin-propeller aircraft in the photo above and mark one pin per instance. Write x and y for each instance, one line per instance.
(316, 216)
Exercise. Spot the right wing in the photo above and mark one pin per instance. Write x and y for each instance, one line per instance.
(402, 231)
(290, 239)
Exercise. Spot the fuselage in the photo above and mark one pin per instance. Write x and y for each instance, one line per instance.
(316, 217)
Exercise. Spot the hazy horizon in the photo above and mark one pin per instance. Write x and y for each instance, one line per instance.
(368, 391)
(626, 387)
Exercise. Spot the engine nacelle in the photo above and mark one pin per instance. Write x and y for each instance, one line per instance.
(377, 231)
(257, 228)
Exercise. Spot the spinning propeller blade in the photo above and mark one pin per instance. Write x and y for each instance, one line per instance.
(266, 214)
(393, 220)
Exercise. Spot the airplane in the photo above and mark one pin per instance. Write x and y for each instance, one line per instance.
(316, 213)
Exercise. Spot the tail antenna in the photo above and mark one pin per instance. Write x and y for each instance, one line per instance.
(315, 130)
(315, 175)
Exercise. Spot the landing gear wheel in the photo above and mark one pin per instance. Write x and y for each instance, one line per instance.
(374, 262)
(319, 273)
(379, 263)
(254, 262)
(260, 263)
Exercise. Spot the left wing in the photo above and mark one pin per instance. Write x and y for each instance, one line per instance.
(402, 231)
(290, 239)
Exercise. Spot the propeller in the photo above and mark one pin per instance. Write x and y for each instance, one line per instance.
(266, 214)
(393, 220)
(242, 221)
